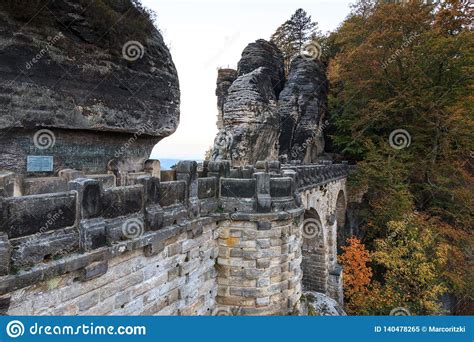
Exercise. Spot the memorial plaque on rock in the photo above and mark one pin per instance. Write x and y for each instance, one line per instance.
(39, 164)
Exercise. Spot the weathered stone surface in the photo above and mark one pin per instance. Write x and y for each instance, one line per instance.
(225, 77)
(261, 114)
(37, 213)
(250, 130)
(264, 54)
(57, 75)
(94, 270)
(302, 108)
(321, 305)
(247, 120)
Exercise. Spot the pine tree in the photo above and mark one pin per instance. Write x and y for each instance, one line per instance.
(293, 34)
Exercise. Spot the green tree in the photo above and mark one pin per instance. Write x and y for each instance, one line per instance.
(408, 67)
(293, 34)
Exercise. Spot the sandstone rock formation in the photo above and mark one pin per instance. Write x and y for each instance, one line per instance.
(264, 54)
(225, 77)
(302, 109)
(250, 122)
(57, 75)
(262, 116)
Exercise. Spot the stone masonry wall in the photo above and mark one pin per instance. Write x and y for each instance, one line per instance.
(321, 271)
(180, 280)
(258, 267)
(214, 245)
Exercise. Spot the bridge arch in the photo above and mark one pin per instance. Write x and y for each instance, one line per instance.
(315, 262)
(341, 209)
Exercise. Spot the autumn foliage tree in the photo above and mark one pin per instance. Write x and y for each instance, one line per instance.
(357, 274)
(407, 68)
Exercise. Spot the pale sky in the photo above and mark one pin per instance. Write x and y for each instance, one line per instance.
(203, 35)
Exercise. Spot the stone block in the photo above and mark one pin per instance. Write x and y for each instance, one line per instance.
(94, 270)
(264, 225)
(89, 196)
(154, 217)
(32, 250)
(43, 185)
(237, 188)
(70, 174)
(7, 184)
(92, 234)
(154, 248)
(28, 215)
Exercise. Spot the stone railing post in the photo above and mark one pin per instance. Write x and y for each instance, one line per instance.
(92, 233)
(262, 189)
(219, 169)
(187, 171)
(294, 185)
(153, 211)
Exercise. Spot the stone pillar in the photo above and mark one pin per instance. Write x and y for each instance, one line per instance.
(153, 212)
(262, 188)
(92, 232)
(335, 284)
(219, 168)
(187, 171)
(153, 167)
(294, 185)
(259, 270)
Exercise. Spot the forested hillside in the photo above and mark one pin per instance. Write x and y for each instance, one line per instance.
(401, 107)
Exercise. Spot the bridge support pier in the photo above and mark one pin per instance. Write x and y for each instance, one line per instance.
(258, 268)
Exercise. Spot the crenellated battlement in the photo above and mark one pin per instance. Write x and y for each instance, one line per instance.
(91, 221)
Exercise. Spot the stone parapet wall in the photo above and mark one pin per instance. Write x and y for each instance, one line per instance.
(176, 276)
(209, 227)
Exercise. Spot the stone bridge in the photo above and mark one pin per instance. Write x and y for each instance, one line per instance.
(211, 241)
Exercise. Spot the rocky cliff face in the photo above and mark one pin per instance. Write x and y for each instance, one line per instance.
(225, 78)
(264, 54)
(263, 116)
(249, 107)
(58, 75)
(302, 109)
